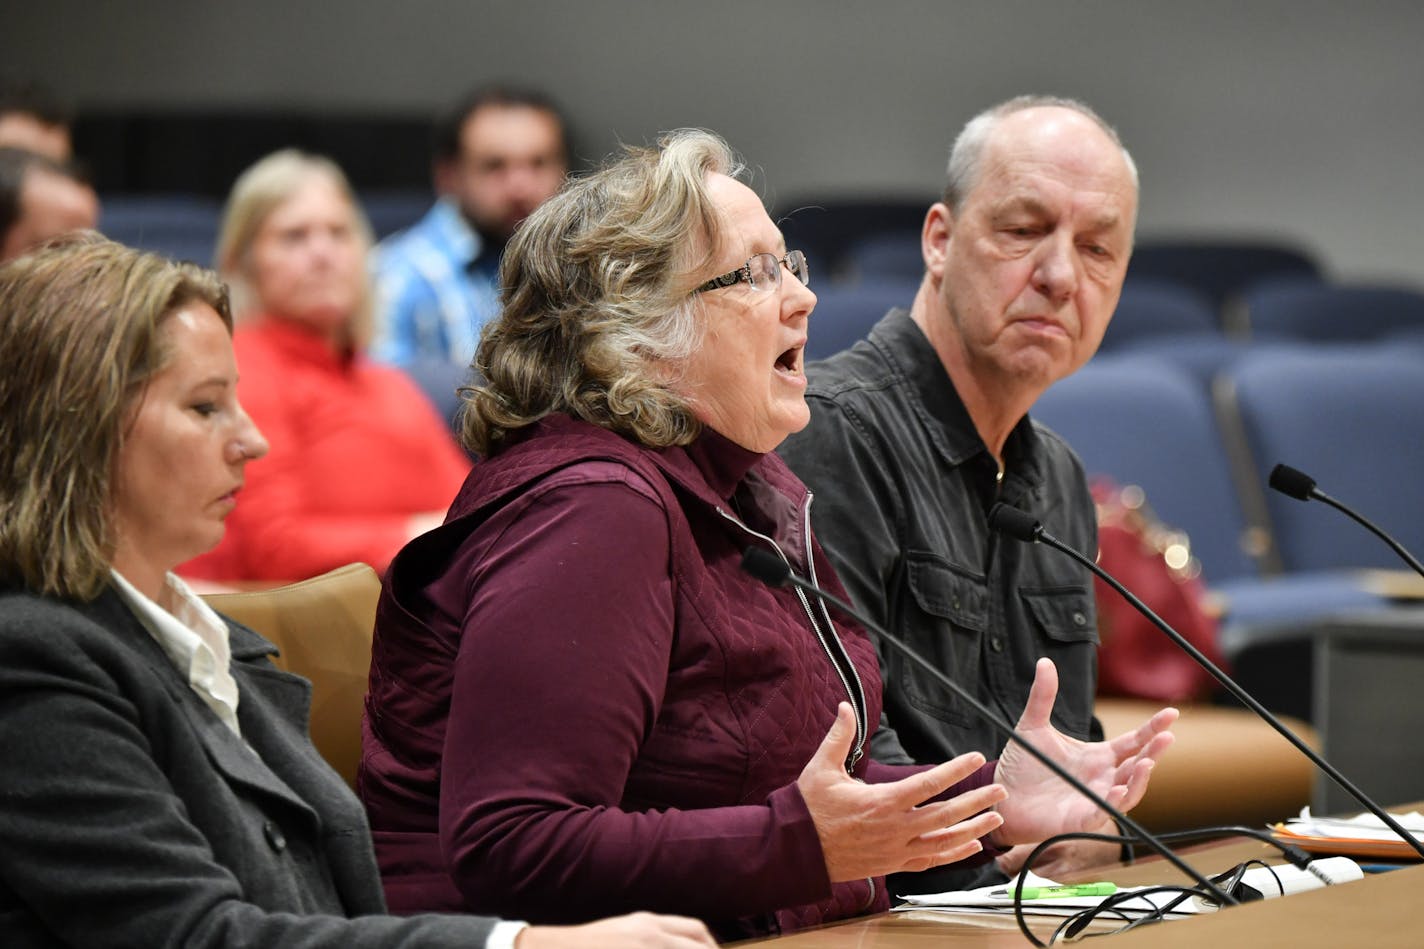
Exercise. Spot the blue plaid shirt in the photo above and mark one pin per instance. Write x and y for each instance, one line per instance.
(435, 290)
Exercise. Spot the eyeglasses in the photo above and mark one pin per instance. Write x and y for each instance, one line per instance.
(762, 272)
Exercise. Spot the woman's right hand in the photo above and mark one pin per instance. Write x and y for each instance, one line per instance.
(870, 830)
(634, 931)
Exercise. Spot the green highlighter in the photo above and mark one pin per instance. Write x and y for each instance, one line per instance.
(1059, 892)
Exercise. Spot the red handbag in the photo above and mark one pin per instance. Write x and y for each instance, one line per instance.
(1136, 659)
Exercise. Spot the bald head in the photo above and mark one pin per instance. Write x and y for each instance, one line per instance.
(1050, 125)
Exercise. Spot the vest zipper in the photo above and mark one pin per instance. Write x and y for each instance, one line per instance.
(856, 694)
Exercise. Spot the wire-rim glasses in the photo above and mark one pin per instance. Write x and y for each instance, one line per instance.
(762, 272)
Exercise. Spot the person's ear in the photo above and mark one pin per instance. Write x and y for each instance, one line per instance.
(934, 238)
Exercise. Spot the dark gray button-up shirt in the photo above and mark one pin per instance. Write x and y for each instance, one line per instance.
(903, 486)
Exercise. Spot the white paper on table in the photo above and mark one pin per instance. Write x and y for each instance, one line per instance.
(1359, 827)
(1270, 881)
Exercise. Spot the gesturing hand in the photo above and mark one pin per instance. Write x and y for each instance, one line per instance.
(1040, 804)
(872, 829)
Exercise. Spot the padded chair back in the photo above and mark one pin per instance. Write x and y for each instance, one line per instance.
(440, 380)
(1319, 312)
(394, 209)
(1151, 308)
(1219, 269)
(826, 227)
(322, 628)
(845, 314)
(1142, 421)
(1351, 418)
(890, 256)
(179, 226)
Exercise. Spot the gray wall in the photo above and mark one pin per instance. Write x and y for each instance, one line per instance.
(1292, 117)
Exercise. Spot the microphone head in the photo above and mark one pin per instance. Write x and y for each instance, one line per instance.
(765, 566)
(1288, 480)
(1016, 523)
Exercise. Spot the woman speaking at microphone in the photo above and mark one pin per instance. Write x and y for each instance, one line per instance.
(579, 703)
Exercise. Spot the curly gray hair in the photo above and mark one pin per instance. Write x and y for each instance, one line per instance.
(598, 311)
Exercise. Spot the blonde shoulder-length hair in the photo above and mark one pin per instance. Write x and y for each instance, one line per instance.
(598, 311)
(83, 319)
(259, 191)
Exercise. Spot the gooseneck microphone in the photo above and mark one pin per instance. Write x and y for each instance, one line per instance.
(1301, 486)
(1022, 526)
(776, 572)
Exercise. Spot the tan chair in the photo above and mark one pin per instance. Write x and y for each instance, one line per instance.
(323, 628)
(1226, 767)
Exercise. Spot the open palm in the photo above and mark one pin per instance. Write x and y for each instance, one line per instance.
(1041, 804)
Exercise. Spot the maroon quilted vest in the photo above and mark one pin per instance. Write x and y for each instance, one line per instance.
(752, 690)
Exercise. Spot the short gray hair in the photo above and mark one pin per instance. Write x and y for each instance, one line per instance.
(598, 311)
(968, 150)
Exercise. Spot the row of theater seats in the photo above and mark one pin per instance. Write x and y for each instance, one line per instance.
(1156, 315)
(1202, 450)
(185, 226)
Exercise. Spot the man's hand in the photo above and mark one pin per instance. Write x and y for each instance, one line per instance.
(1040, 804)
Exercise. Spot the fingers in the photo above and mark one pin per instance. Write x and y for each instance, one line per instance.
(1041, 696)
(918, 788)
(685, 931)
(1129, 743)
(836, 745)
(1136, 786)
(932, 819)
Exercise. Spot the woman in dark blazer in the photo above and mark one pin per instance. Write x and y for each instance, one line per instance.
(158, 786)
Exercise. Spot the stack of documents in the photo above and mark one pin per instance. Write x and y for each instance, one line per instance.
(1362, 836)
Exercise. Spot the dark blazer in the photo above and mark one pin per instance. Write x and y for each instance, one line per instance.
(131, 816)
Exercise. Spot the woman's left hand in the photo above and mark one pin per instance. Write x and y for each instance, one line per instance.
(1040, 804)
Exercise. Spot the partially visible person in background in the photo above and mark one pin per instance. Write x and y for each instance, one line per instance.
(159, 786)
(40, 199)
(360, 462)
(35, 119)
(498, 155)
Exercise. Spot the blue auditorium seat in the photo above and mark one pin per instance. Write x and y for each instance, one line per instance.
(845, 313)
(1307, 310)
(180, 226)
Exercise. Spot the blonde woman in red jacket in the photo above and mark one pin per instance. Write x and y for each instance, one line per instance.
(360, 461)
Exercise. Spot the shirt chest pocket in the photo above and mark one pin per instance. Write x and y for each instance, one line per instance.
(945, 619)
(940, 591)
(1062, 614)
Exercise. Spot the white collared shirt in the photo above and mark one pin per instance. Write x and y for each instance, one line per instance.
(195, 639)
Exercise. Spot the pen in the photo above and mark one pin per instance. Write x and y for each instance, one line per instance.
(1056, 892)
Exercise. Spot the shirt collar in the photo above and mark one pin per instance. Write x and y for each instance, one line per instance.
(721, 461)
(300, 342)
(463, 241)
(905, 346)
(194, 638)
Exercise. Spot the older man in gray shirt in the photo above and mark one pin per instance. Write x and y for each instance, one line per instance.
(916, 431)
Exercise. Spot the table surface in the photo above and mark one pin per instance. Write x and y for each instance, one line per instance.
(1381, 910)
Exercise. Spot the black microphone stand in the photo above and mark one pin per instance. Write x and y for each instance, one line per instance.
(773, 571)
(1297, 484)
(1020, 525)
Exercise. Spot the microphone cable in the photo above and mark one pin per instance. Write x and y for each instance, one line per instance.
(1022, 526)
